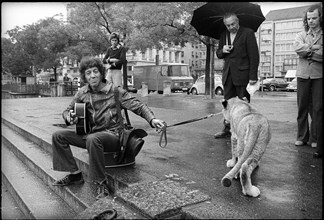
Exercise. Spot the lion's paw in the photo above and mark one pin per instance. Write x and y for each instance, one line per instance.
(231, 163)
(254, 191)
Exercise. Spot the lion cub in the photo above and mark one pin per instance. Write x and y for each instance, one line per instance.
(250, 135)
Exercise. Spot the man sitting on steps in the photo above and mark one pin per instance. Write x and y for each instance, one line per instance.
(103, 118)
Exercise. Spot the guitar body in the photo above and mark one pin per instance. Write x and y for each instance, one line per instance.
(83, 126)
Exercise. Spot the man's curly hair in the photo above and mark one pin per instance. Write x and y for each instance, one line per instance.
(90, 62)
(313, 8)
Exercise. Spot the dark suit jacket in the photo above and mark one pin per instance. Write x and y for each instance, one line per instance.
(243, 61)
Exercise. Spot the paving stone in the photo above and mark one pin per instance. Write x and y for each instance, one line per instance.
(108, 203)
(161, 199)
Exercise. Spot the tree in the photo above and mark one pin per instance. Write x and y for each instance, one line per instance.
(13, 59)
(90, 24)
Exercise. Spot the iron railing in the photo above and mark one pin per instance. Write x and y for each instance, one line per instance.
(44, 89)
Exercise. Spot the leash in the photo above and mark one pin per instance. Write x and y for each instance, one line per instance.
(164, 133)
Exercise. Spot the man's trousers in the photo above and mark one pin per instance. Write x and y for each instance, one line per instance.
(95, 143)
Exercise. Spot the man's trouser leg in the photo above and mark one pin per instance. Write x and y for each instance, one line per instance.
(63, 159)
(115, 76)
(226, 132)
(303, 98)
(229, 92)
(95, 143)
(317, 96)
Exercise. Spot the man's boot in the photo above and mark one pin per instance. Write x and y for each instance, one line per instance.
(225, 132)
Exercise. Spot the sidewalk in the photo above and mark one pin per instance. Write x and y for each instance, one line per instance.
(289, 178)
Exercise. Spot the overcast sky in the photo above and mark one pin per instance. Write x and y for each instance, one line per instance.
(23, 13)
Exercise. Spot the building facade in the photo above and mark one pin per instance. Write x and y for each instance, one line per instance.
(276, 37)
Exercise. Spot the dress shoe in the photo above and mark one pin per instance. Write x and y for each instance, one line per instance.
(317, 155)
(314, 145)
(222, 134)
(69, 180)
(299, 143)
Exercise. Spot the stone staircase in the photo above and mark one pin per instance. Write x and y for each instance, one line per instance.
(27, 173)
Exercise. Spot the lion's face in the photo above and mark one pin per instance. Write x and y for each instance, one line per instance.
(227, 106)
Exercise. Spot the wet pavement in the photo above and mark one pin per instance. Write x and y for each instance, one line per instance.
(289, 178)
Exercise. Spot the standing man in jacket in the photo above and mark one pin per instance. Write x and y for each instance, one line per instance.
(239, 49)
(309, 47)
(115, 57)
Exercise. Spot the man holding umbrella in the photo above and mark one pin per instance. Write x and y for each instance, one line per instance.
(234, 24)
(239, 49)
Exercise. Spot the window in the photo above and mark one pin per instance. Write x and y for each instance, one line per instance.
(201, 79)
(150, 54)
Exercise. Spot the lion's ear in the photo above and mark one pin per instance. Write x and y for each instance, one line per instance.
(224, 103)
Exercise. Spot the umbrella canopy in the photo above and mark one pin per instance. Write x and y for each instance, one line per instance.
(208, 19)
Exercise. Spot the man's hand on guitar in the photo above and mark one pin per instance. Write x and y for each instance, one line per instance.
(72, 118)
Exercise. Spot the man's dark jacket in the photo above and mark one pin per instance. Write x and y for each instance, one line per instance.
(243, 61)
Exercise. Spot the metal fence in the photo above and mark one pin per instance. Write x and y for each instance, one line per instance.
(44, 89)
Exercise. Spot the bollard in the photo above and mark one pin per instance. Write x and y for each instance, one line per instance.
(61, 90)
(166, 87)
(144, 89)
(53, 90)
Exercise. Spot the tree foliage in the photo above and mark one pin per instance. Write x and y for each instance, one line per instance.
(140, 25)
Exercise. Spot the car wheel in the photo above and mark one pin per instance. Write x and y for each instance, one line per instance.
(219, 91)
(272, 88)
(194, 91)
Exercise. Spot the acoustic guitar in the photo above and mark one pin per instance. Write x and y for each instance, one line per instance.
(83, 126)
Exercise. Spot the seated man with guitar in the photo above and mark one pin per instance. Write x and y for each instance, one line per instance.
(96, 99)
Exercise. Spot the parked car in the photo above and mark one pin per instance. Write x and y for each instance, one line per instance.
(274, 84)
(292, 85)
(198, 87)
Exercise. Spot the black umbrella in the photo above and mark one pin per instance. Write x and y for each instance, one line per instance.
(208, 19)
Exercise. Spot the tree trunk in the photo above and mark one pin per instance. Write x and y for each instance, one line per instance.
(207, 69)
(55, 74)
(212, 82)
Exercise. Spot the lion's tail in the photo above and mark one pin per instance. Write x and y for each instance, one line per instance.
(251, 139)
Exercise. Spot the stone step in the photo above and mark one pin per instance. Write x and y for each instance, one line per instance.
(81, 198)
(40, 162)
(9, 207)
(118, 180)
(126, 181)
(35, 198)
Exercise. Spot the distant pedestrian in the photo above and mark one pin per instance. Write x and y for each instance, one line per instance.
(115, 57)
(66, 78)
(104, 126)
(309, 47)
(238, 47)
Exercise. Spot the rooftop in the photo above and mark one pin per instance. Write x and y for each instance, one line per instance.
(286, 14)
